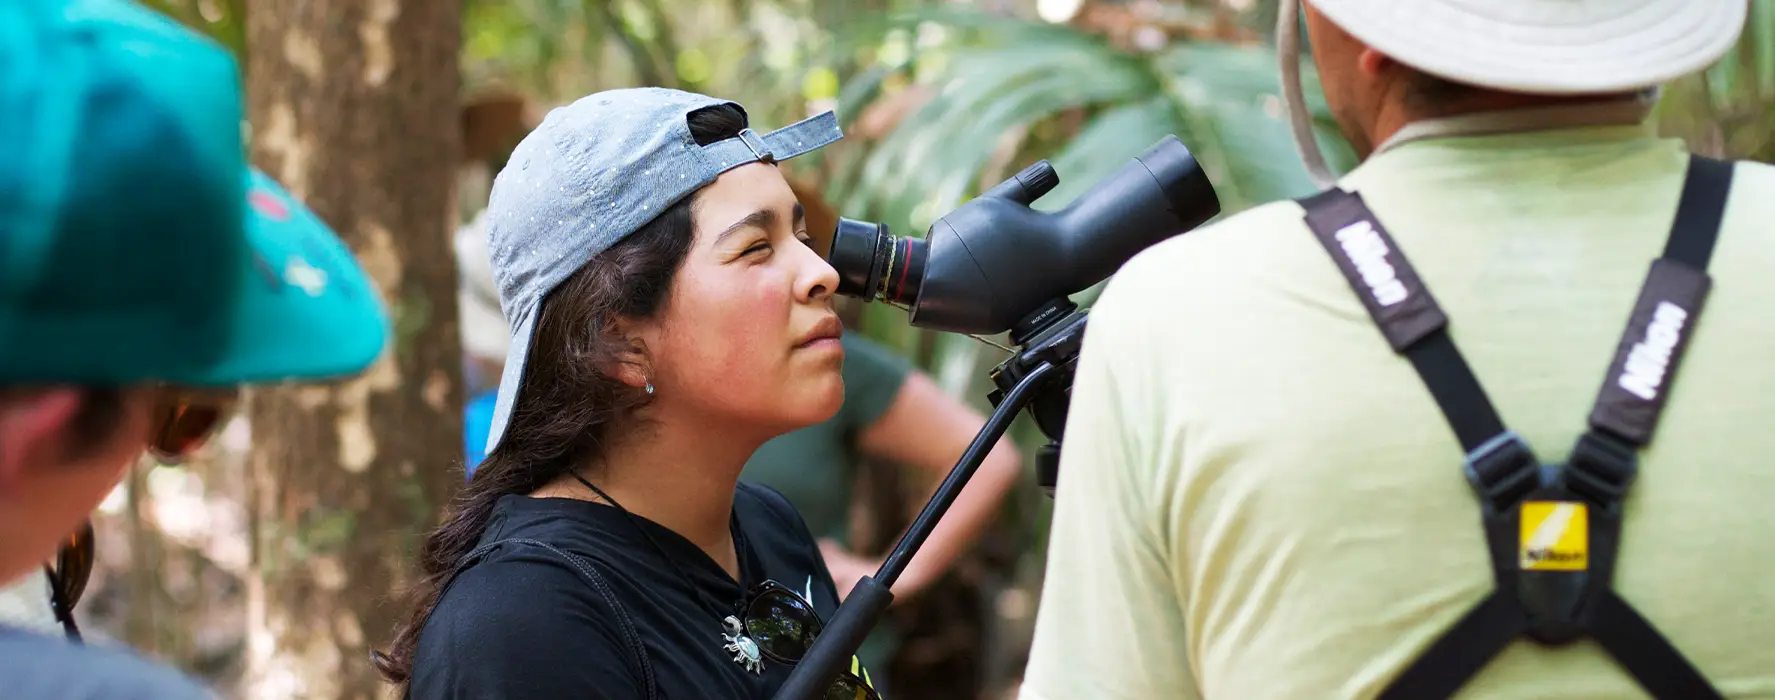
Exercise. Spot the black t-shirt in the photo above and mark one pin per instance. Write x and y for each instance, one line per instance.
(35, 666)
(522, 622)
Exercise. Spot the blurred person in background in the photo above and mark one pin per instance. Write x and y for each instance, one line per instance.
(485, 337)
(667, 317)
(897, 415)
(493, 123)
(145, 274)
(1261, 491)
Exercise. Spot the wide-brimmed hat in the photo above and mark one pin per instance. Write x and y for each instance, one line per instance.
(1550, 47)
(1546, 46)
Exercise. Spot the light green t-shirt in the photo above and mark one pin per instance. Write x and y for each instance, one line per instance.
(1259, 500)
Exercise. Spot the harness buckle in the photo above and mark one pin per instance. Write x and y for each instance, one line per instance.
(1502, 471)
(1600, 470)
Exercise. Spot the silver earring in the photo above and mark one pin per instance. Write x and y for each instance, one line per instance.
(650, 388)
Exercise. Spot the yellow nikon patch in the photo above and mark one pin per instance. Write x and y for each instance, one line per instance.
(1555, 536)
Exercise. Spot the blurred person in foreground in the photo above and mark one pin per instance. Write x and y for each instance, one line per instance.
(667, 317)
(1260, 497)
(145, 273)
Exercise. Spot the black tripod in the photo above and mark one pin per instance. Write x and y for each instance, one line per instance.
(1038, 377)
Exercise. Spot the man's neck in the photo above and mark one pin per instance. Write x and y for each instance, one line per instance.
(675, 473)
(1395, 114)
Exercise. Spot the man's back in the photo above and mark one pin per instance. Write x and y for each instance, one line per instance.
(1287, 501)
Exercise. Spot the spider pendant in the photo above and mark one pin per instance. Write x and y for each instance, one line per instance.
(744, 650)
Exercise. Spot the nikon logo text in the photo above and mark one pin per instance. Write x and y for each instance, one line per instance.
(1541, 555)
(1649, 360)
(1365, 249)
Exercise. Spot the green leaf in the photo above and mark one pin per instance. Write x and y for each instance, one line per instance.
(1232, 105)
(934, 158)
(1108, 142)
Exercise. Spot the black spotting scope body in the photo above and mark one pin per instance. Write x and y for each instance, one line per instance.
(994, 260)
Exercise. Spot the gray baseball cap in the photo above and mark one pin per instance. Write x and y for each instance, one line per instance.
(589, 175)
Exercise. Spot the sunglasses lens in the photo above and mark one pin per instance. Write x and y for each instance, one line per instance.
(183, 423)
(848, 687)
(783, 625)
(73, 566)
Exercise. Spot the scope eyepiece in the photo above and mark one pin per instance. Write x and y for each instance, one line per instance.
(873, 264)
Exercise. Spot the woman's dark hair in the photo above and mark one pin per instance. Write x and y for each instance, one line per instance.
(567, 406)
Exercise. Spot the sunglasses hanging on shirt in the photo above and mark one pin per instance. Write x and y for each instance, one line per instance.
(183, 420)
(68, 575)
(777, 623)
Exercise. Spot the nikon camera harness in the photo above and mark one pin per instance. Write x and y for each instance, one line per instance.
(1555, 589)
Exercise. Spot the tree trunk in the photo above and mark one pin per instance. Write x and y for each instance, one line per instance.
(354, 109)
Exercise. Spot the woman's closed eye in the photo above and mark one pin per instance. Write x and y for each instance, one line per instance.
(762, 245)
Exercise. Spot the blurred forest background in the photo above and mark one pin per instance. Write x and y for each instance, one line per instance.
(269, 566)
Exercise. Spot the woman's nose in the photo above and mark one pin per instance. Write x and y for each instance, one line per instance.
(818, 278)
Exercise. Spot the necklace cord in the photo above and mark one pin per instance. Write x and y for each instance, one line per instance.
(635, 521)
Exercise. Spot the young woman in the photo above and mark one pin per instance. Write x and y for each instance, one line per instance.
(604, 548)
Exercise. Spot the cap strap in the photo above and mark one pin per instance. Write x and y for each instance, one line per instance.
(753, 141)
(780, 145)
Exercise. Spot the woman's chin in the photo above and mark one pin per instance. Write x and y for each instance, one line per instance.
(819, 399)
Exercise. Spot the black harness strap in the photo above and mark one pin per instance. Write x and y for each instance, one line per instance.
(1408, 316)
(1465, 648)
(1552, 533)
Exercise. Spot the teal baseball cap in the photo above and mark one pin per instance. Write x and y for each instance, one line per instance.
(136, 244)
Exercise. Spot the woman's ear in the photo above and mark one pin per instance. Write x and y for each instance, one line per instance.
(633, 364)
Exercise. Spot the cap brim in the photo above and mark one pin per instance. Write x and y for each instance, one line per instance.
(510, 379)
(306, 310)
(1546, 48)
